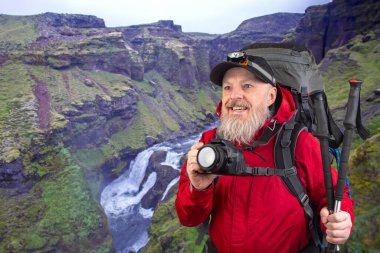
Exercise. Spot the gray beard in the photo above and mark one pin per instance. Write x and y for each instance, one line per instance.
(242, 131)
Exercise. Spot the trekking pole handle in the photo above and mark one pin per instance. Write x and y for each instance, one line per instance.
(322, 133)
(349, 126)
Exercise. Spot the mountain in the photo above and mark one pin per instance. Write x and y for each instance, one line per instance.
(268, 28)
(79, 100)
(329, 26)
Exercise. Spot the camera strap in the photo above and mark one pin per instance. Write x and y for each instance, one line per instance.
(269, 132)
(266, 171)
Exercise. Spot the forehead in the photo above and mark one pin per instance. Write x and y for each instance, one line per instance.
(239, 74)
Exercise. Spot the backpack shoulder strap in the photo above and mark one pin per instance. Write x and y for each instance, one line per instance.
(284, 153)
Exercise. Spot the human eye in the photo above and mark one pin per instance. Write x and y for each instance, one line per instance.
(226, 87)
(247, 85)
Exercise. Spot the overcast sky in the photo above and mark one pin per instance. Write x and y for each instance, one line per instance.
(210, 16)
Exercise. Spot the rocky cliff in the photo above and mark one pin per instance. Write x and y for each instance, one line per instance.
(333, 25)
(268, 28)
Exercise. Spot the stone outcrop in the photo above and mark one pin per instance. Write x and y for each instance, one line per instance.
(73, 20)
(332, 25)
(165, 174)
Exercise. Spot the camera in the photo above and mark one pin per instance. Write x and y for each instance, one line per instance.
(221, 157)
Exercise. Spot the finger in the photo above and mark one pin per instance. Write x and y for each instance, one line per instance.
(324, 213)
(338, 217)
(197, 145)
(192, 153)
(342, 234)
(194, 150)
(334, 240)
(337, 225)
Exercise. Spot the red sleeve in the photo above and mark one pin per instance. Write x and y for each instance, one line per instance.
(309, 167)
(193, 207)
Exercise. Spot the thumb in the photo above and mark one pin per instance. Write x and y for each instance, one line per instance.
(324, 213)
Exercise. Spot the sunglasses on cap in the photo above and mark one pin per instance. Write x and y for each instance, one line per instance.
(243, 60)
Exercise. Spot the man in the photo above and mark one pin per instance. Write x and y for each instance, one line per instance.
(257, 213)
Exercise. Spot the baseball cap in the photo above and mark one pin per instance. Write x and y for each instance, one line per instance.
(255, 64)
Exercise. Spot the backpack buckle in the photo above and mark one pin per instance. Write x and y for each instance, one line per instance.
(304, 200)
(265, 171)
(290, 171)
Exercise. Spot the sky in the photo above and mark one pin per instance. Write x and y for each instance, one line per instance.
(209, 16)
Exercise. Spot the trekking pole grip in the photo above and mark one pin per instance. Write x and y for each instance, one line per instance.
(349, 126)
(322, 133)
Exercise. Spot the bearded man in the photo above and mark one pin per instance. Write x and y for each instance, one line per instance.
(257, 213)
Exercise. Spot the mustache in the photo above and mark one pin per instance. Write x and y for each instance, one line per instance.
(238, 103)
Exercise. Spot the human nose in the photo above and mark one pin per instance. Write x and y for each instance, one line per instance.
(236, 93)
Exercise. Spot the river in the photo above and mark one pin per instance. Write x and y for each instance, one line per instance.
(128, 221)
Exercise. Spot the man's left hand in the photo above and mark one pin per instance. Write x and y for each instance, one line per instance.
(338, 226)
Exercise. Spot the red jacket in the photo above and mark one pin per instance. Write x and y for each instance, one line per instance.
(258, 213)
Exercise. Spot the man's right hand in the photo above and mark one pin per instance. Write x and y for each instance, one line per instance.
(198, 180)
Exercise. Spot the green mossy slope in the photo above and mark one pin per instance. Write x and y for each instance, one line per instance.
(58, 214)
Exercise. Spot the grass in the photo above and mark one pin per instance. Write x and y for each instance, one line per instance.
(58, 213)
(146, 124)
(167, 235)
(16, 29)
(115, 83)
(17, 110)
(365, 182)
(361, 62)
(145, 86)
(90, 157)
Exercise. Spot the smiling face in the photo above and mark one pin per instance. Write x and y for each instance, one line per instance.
(244, 92)
(245, 105)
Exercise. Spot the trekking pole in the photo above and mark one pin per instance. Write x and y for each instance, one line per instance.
(322, 133)
(349, 127)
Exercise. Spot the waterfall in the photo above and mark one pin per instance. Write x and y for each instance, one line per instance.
(121, 199)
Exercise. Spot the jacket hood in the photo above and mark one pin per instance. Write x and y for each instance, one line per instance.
(285, 108)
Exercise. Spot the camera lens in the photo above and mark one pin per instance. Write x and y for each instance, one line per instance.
(206, 158)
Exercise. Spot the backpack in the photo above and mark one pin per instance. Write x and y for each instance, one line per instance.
(294, 68)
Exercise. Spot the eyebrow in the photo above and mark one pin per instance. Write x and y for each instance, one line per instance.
(248, 80)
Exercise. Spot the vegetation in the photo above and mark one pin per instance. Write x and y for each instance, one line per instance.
(57, 214)
(18, 30)
(168, 235)
(365, 181)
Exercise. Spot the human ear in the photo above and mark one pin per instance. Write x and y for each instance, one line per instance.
(272, 94)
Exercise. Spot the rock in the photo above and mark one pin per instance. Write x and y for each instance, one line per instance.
(165, 174)
(73, 20)
(88, 82)
(150, 140)
(157, 157)
(11, 174)
(3, 58)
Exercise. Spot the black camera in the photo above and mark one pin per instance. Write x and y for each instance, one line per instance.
(221, 157)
